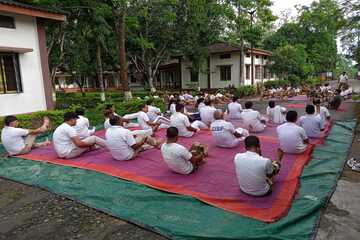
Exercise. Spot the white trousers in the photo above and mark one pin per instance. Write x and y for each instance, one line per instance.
(96, 141)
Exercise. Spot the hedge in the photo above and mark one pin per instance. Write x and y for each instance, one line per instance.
(245, 91)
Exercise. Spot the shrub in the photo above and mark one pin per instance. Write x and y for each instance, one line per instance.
(276, 83)
(245, 91)
(313, 81)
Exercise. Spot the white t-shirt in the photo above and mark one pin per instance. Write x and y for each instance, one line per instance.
(181, 122)
(13, 139)
(252, 118)
(201, 105)
(82, 127)
(119, 141)
(324, 114)
(235, 110)
(142, 120)
(291, 138)
(207, 114)
(223, 133)
(312, 125)
(343, 78)
(153, 112)
(177, 157)
(172, 108)
(107, 123)
(62, 139)
(276, 114)
(251, 171)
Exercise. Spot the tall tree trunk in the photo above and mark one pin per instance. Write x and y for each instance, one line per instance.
(100, 71)
(151, 79)
(122, 52)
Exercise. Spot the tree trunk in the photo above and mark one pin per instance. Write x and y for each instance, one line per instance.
(151, 79)
(242, 64)
(122, 53)
(100, 71)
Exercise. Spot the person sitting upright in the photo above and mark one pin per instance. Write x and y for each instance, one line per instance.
(292, 138)
(322, 111)
(225, 134)
(207, 112)
(252, 119)
(17, 141)
(254, 172)
(177, 157)
(67, 142)
(336, 101)
(144, 120)
(124, 144)
(182, 122)
(276, 113)
(311, 123)
(154, 113)
(234, 109)
(82, 124)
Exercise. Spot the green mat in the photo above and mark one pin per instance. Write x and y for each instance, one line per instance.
(182, 217)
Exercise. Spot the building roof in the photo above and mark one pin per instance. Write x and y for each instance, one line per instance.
(31, 10)
(223, 47)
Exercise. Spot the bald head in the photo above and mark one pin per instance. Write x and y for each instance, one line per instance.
(218, 115)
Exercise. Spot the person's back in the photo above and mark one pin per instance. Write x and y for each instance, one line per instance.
(252, 119)
(291, 136)
(119, 141)
(336, 101)
(223, 133)
(177, 157)
(276, 113)
(63, 143)
(181, 122)
(311, 123)
(13, 139)
(207, 113)
(234, 109)
(153, 112)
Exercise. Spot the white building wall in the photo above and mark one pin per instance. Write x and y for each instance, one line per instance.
(216, 62)
(33, 96)
(186, 83)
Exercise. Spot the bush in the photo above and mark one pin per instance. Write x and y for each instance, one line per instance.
(294, 80)
(313, 81)
(245, 91)
(276, 84)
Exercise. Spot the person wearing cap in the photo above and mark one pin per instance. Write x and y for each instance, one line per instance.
(17, 141)
(67, 142)
(125, 144)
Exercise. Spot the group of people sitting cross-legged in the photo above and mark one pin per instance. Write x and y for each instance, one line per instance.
(253, 171)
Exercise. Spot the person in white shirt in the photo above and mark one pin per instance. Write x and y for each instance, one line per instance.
(207, 113)
(125, 144)
(321, 111)
(292, 138)
(234, 109)
(225, 134)
(343, 79)
(177, 157)
(17, 141)
(276, 113)
(145, 122)
(154, 114)
(67, 142)
(252, 120)
(200, 103)
(182, 123)
(311, 123)
(82, 125)
(172, 106)
(254, 172)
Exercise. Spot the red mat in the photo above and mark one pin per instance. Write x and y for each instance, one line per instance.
(214, 183)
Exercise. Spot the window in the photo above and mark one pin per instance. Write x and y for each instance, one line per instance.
(265, 72)
(10, 81)
(248, 55)
(225, 73)
(194, 76)
(257, 72)
(265, 57)
(247, 71)
(7, 22)
(225, 56)
(257, 56)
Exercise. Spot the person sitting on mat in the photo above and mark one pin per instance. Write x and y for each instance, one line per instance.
(321, 111)
(311, 123)
(145, 123)
(336, 101)
(17, 141)
(207, 113)
(107, 114)
(125, 144)
(254, 172)
(225, 134)
(252, 119)
(292, 137)
(154, 113)
(234, 109)
(82, 124)
(177, 157)
(182, 122)
(67, 142)
(276, 113)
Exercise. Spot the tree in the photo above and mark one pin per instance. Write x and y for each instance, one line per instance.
(289, 60)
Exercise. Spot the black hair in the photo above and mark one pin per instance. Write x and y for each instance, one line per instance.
(149, 101)
(291, 116)
(310, 109)
(272, 104)
(208, 102)
(80, 111)
(142, 106)
(234, 99)
(179, 107)
(69, 116)
(248, 104)
(316, 101)
(252, 141)
(114, 120)
(9, 119)
(172, 132)
(109, 106)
